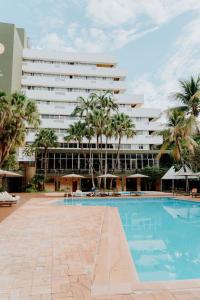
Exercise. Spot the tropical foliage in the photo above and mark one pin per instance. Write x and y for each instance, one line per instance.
(16, 112)
(100, 120)
(182, 128)
(46, 138)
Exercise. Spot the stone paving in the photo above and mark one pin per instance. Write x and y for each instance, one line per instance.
(50, 252)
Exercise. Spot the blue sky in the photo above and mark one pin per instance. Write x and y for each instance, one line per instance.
(158, 41)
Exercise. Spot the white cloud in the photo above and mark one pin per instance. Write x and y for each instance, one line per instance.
(119, 12)
(181, 63)
(55, 42)
(92, 39)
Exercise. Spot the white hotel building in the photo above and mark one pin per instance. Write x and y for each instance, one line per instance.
(56, 79)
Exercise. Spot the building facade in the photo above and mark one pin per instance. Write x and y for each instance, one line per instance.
(55, 80)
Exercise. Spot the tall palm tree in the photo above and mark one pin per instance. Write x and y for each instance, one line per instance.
(46, 138)
(84, 106)
(17, 111)
(98, 119)
(76, 132)
(123, 127)
(5, 109)
(189, 97)
(108, 132)
(89, 133)
(178, 135)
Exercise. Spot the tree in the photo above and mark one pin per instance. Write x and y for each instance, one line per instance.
(189, 97)
(17, 112)
(178, 135)
(89, 133)
(123, 127)
(75, 132)
(84, 106)
(46, 138)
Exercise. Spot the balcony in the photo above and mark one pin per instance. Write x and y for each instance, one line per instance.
(72, 96)
(59, 69)
(73, 83)
(52, 55)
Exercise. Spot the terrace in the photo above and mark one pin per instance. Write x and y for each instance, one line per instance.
(72, 252)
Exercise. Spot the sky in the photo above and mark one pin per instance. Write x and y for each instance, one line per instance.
(157, 41)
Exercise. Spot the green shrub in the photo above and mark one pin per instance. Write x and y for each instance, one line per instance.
(1, 189)
(30, 189)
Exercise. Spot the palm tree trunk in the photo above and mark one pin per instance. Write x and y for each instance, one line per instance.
(91, 165)
(106, 161)
(180, 153)
(45, 163)
(117, 155)
(101, 155)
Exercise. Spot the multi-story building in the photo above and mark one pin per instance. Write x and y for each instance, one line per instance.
(55, 80)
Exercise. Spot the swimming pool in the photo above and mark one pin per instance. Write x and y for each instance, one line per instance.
(163, 235)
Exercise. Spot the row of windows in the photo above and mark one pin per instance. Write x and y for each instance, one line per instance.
(61, 90)
(69, 117)
(58, 63)
(63, 77)
(76, 161)
(95, 155)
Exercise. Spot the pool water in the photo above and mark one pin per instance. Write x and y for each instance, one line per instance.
(163, 235)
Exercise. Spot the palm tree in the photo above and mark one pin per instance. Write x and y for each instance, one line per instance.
(17, 111)
(5, 109)
(178, 135)
(189, 97)
(89, 133)
(123, 127)
(84, 106)
(108, 132)
(46, 138)
(76, 132)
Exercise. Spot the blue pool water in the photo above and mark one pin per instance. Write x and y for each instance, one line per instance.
(163, 235)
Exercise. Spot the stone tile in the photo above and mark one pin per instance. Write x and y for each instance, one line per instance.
(184, 296)
(49, 252)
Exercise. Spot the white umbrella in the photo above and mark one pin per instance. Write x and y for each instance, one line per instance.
(186, 172)
(107, 176)
(5, 173)
(73, 176)
(138, 177)
(170, 175)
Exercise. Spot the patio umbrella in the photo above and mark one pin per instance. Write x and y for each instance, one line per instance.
(105, 176)
(5, 173)
(186, 172)
(170, 175)
(138, 177)
(73, 176)
(108, 176)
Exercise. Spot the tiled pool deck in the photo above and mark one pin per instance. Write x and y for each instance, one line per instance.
(80, 253)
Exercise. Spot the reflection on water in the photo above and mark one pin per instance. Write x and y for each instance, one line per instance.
(163, 236)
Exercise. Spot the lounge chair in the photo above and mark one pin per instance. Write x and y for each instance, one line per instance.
(193, 192)
(78, 193)
(115, 194)
(7, 200)
(91, 194)
(135, 194)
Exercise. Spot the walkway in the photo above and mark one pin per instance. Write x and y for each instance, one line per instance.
(50, 252)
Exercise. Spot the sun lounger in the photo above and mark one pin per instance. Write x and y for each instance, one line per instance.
(7, 199)
(135, 194)
(193, 192)
(91, 194)
(7, 202)
(7, 196)
(115, 194)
